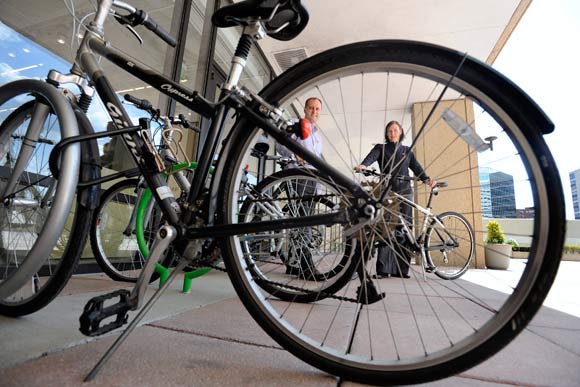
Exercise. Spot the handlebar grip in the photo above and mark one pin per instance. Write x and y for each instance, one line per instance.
(152, 25)
(185, 123)
(142, 104)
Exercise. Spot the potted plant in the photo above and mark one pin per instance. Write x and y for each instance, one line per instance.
(497, 252)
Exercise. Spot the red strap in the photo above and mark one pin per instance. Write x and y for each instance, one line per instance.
(306, 128)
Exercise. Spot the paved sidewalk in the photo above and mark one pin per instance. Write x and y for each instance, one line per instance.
(207, 338)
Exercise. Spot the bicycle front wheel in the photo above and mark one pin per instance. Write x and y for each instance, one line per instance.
(451, 106)
(42, 235)
(449, 245)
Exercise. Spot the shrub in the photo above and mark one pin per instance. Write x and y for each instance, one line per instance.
(513, 242)
(575, 249)
(495, 234)
(572, 249)
(521, 248)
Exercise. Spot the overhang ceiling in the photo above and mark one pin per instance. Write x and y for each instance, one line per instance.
(479, 28)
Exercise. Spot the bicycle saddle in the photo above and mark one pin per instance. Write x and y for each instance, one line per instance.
(247, 11)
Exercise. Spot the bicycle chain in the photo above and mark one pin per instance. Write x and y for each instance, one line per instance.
(290, 287)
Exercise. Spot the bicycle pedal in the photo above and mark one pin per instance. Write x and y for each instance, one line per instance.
(95, 312)
(367, 293)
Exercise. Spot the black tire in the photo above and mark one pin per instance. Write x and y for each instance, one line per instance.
(24, 225)
(338, 339)
(268, 253)
(454, 245)
(113, 237)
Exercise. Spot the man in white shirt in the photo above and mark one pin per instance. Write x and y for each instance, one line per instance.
(299, 261)
(312, 109)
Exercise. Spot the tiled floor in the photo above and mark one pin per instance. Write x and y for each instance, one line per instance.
(207, 338)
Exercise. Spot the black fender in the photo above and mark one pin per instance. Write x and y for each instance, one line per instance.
(89, 196)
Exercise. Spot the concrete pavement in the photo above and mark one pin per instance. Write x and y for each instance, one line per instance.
(207, 338)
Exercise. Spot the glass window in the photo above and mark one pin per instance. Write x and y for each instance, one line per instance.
(192, 71)
(257, 74)
(47, 35)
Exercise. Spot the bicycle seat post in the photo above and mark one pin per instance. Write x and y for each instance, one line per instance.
(250, 32)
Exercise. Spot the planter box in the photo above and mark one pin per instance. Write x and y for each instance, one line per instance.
(565, 256)
(571, 257)
(498, 256)
(520, 254)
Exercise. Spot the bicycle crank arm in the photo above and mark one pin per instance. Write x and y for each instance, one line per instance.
(180, 266)
(95, 311)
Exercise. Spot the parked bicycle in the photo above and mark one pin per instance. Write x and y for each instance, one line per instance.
(370, 333)
(119, 243)
(444, 242)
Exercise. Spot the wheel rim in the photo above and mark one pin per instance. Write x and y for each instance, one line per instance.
(272, 254)
(22, 223)
(115, 236)
(457, 246)
(500, 313)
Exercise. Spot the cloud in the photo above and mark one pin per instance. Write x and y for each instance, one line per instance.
(8, 35)
(8, 74)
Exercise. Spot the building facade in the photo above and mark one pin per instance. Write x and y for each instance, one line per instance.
(574, 180)
(497, 194)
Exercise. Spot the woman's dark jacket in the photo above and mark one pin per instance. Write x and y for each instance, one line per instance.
(383, 154)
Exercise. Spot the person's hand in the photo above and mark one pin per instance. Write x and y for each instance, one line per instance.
(431, 182)
(299, 159)
(360, 168)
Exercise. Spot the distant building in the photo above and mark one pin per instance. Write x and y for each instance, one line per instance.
(485, 193)
(498, 199)
(525, 213)
(574, 181)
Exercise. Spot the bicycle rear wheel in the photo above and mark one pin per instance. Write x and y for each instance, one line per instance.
(301, 265)
(422, 330)
(42, 235)
(450, 245)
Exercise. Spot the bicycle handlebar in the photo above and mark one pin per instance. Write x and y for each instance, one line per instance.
(373, 172)
(144, 104)
(140, 17)
(154, 27)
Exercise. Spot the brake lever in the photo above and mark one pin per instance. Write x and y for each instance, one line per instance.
(125, 22)
(135, 34)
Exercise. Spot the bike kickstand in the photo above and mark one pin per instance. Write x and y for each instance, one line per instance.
(157, 250)
(423, 263)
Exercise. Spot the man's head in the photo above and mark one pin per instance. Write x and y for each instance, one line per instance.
(312, 109)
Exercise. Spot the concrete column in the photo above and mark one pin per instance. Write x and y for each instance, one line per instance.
(445, 157)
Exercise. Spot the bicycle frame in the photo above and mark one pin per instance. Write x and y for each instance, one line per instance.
(87, 66)
(417, 242)
(427, 215)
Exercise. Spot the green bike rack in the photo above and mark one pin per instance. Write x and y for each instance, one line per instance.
(140, 233)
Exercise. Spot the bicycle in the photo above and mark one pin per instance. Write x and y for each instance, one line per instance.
(445, 242)
(354, 332)
(119, 242)
(302, 251)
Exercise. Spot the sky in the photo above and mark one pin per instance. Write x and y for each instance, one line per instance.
(543, 57)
